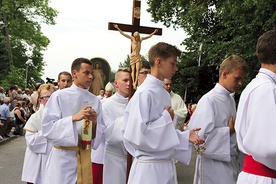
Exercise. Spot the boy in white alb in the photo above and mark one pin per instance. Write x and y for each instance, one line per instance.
(215, 114)
(149, 134)
(256, 116)
(38, 148)
(62, 125)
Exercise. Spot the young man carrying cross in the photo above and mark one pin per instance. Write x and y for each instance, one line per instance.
(115, 154)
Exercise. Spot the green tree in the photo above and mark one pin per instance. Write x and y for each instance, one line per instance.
(224, 27)
(10, 80)
(22, 20)
(126, 62)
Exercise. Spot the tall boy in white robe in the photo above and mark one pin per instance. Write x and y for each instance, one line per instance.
(38, 148)
(115, 154)
(256, 118)
(150, 135)
(215, 114)
(62, 126)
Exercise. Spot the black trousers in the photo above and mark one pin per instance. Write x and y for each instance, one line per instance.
(6, 129)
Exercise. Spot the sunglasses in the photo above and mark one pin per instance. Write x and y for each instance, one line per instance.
(44, 97)
(144, 72)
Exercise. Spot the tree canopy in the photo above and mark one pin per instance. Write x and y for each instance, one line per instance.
(21, 40)
(223, 27)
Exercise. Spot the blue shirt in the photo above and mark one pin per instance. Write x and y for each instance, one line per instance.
(4, 111)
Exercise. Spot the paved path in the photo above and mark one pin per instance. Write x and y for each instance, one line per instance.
(12, 153)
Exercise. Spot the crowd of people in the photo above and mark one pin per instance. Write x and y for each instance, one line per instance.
(15, 110)
(18, 105)
(74, 136)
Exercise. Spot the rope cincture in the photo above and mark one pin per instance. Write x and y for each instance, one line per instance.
(200, 149)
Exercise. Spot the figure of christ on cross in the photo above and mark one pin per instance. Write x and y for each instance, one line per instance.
(135, 57)
(132, 28)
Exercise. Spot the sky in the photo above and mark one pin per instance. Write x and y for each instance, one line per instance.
(81, 30)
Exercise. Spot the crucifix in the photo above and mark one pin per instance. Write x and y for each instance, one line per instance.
(134, 28)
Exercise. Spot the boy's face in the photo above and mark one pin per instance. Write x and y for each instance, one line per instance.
(83, 77)
(102, 92)
(64, 81)
(167, 67)
(122, 83)
(44, 96)
(233, 80)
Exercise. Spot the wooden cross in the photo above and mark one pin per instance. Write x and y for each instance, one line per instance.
(136, 12)
(135, 27)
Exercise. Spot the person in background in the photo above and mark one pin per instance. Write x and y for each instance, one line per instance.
(14, 97)
(191, 108)
(38, 148)
(149, 132)
(19, 118)
(215, 114)
(2, 95)
(101, 95)
(255, 123)
(27, 94)
(5, 117)
(64, 80)
(27, 108)
(143, 72)
(34, 98)
(108, 91)
(178, 105)
(20, 93)
(9, 94)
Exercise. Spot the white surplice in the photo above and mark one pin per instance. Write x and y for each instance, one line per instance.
(37, 150)
(150, 136)
(115, 154)
(255, 124)
(220, 161)
(58, 128)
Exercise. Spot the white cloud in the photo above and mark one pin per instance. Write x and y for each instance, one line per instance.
(82, 31)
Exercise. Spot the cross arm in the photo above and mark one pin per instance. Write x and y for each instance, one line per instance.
(132, 29)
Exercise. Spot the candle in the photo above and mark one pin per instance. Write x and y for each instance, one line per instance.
(86, 133)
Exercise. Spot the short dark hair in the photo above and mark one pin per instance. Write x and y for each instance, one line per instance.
(64, 73)
(77, 63)
(162, 50)
(145, 64)
(266, 47)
